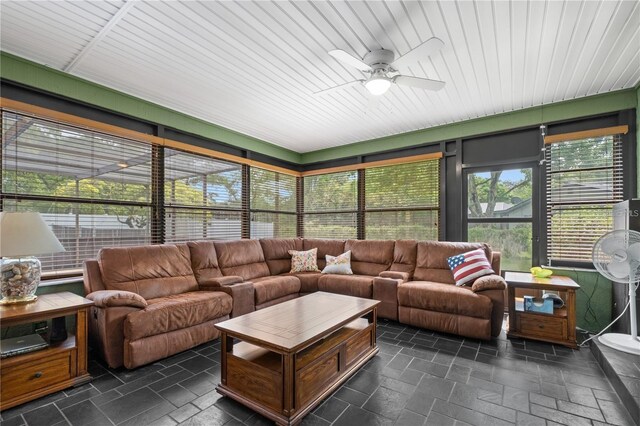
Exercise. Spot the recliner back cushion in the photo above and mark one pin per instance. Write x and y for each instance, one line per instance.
(204, 260)
(325, 247)
(404, 256)
(276, 253)
(370, 257)
(242, 257)
(150, 271)
(431, 259)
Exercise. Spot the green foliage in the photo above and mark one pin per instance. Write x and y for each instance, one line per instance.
(331, 192)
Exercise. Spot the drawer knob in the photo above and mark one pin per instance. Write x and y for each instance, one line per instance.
(540, 326)
(38, 374)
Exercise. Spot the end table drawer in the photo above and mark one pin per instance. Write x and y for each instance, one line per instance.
(539, 325)
(20, 380)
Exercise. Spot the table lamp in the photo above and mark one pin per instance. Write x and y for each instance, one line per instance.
(23, 235)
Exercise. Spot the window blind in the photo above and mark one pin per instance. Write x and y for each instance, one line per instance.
(202, 197)
(272, 204)
(93, 189)
(584, 180)
(402, 201)
(330, 205)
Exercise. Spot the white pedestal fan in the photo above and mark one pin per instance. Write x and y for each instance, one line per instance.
(616, 255)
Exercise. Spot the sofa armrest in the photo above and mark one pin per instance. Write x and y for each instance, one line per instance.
(113, 298)
(395, 275)
(386, 291)
(220, 281)
(92, 278)
(242, 294)
(489, 282)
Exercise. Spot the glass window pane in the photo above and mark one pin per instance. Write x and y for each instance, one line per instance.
(331, 192)
(272, 191)
(198, 180)
(505, 193)
(183, 224)
(273, 225)
(403, 185)
(584, 181)
(41, 157)
(395, 225)
(330, 225)
(85, 228)
(512, 240)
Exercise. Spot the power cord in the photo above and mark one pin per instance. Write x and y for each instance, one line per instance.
(583, 344)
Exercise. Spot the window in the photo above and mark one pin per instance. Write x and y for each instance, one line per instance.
(499, 212)
(402, 201)
(272, 204)
(331, 205)
(94, 190)
(202, 197)
(584, 180)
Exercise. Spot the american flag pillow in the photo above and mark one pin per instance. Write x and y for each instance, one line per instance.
(466, 267)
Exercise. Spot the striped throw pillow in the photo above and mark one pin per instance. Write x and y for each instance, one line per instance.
(466, 267)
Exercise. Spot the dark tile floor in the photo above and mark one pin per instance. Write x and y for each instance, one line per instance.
(418, 378)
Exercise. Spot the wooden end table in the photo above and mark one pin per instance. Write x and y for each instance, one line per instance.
(558, 327)
(61, 365)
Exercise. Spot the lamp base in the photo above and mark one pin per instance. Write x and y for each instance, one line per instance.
(18, 300)
(20, 279)
(622, 342)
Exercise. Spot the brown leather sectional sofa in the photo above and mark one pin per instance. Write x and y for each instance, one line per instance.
(155, 301)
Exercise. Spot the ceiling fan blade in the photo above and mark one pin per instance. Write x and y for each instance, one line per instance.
(421, 83)
(348, 59)
(338, 87)
(421, 51)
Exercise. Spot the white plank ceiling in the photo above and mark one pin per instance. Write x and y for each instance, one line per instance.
(253, 66)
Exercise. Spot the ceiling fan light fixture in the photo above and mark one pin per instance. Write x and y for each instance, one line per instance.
(378, 85)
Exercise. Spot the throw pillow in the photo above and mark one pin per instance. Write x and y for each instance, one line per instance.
(304, 261)
(338, 264)
(466, 267)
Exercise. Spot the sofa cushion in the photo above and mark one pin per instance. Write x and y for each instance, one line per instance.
(269, 288)
(325, 247)
(276, 253)
(242, 257)
(404, 256)
(466, 267)
(351, 285)
(308, 281)
(204, 260)
(340, 265)
(304, 261)
(165, 314)
(445, 298)
(150, 271)
(432, 255)
(370, 257)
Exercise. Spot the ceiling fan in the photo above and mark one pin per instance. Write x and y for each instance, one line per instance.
(380, 66)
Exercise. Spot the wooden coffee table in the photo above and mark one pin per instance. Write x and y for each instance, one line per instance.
(292, 355)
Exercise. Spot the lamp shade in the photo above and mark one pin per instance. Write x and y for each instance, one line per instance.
(26, 234)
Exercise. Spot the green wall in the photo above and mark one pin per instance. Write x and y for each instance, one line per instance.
(593, 300)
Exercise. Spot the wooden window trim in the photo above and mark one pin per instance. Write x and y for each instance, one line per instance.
(585, 134)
